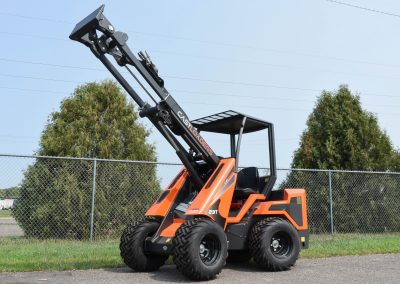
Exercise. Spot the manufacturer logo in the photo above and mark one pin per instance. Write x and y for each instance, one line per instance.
(195, 133)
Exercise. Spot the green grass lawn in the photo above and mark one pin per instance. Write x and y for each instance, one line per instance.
(19, 254)
(351, 244)
(5, 213)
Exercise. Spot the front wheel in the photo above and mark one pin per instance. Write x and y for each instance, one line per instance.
(132, 246)
(200, 249)
(274, 244)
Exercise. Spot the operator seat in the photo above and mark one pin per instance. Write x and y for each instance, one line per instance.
(247, 182)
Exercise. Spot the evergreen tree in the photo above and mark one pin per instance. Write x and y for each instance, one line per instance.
(95, 121)
(340, 135)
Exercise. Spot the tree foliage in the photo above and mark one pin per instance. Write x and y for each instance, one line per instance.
(95, 121)
(11, 192)
(340, 135)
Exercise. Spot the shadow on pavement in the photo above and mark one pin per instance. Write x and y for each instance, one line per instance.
(169, 273)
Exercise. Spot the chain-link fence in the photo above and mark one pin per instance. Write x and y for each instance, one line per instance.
(349, 201)
(95, 198)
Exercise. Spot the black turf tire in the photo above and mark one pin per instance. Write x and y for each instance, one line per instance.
(132, 243)
(186, 249)
(238, 256)
(261, 238)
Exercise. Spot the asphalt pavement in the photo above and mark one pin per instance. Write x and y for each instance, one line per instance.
(349, 269)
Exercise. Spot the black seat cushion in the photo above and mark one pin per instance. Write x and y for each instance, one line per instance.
(247, 182)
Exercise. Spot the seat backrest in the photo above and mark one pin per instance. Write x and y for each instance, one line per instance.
(248, 178)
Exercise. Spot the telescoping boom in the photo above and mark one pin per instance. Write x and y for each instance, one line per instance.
(96, 32)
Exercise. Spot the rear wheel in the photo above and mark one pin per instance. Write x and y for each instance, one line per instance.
(200, 249)
(132, 246)
(274, 244)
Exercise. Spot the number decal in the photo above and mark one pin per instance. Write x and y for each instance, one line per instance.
(212, 212)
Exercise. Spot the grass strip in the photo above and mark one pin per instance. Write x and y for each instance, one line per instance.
(5, 213)
(351, 244)
(21, 254)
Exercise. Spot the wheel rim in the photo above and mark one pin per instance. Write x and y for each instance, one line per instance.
(281, 244)
(209, 249)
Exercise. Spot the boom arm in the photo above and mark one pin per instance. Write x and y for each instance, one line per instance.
(96, 32)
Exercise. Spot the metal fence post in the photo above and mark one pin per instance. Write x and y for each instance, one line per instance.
(330, 199)
(93, 196)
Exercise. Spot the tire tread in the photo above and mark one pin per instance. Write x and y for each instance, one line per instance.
(181, 247)
(256, 245)
(129, 247)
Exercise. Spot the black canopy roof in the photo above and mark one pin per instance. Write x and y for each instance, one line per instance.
(229, 122)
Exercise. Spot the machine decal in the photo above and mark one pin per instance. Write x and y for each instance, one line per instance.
(195, 133)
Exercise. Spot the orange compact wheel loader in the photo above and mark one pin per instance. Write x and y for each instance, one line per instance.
(212, 211)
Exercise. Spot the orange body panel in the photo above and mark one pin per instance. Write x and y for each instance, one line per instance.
(218, 188)
(215, 198)
(264, 208)
(226, 198)
(171, 229)
(160, 209)
(245, 208)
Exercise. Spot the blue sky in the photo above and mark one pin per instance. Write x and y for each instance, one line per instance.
(270, 58)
